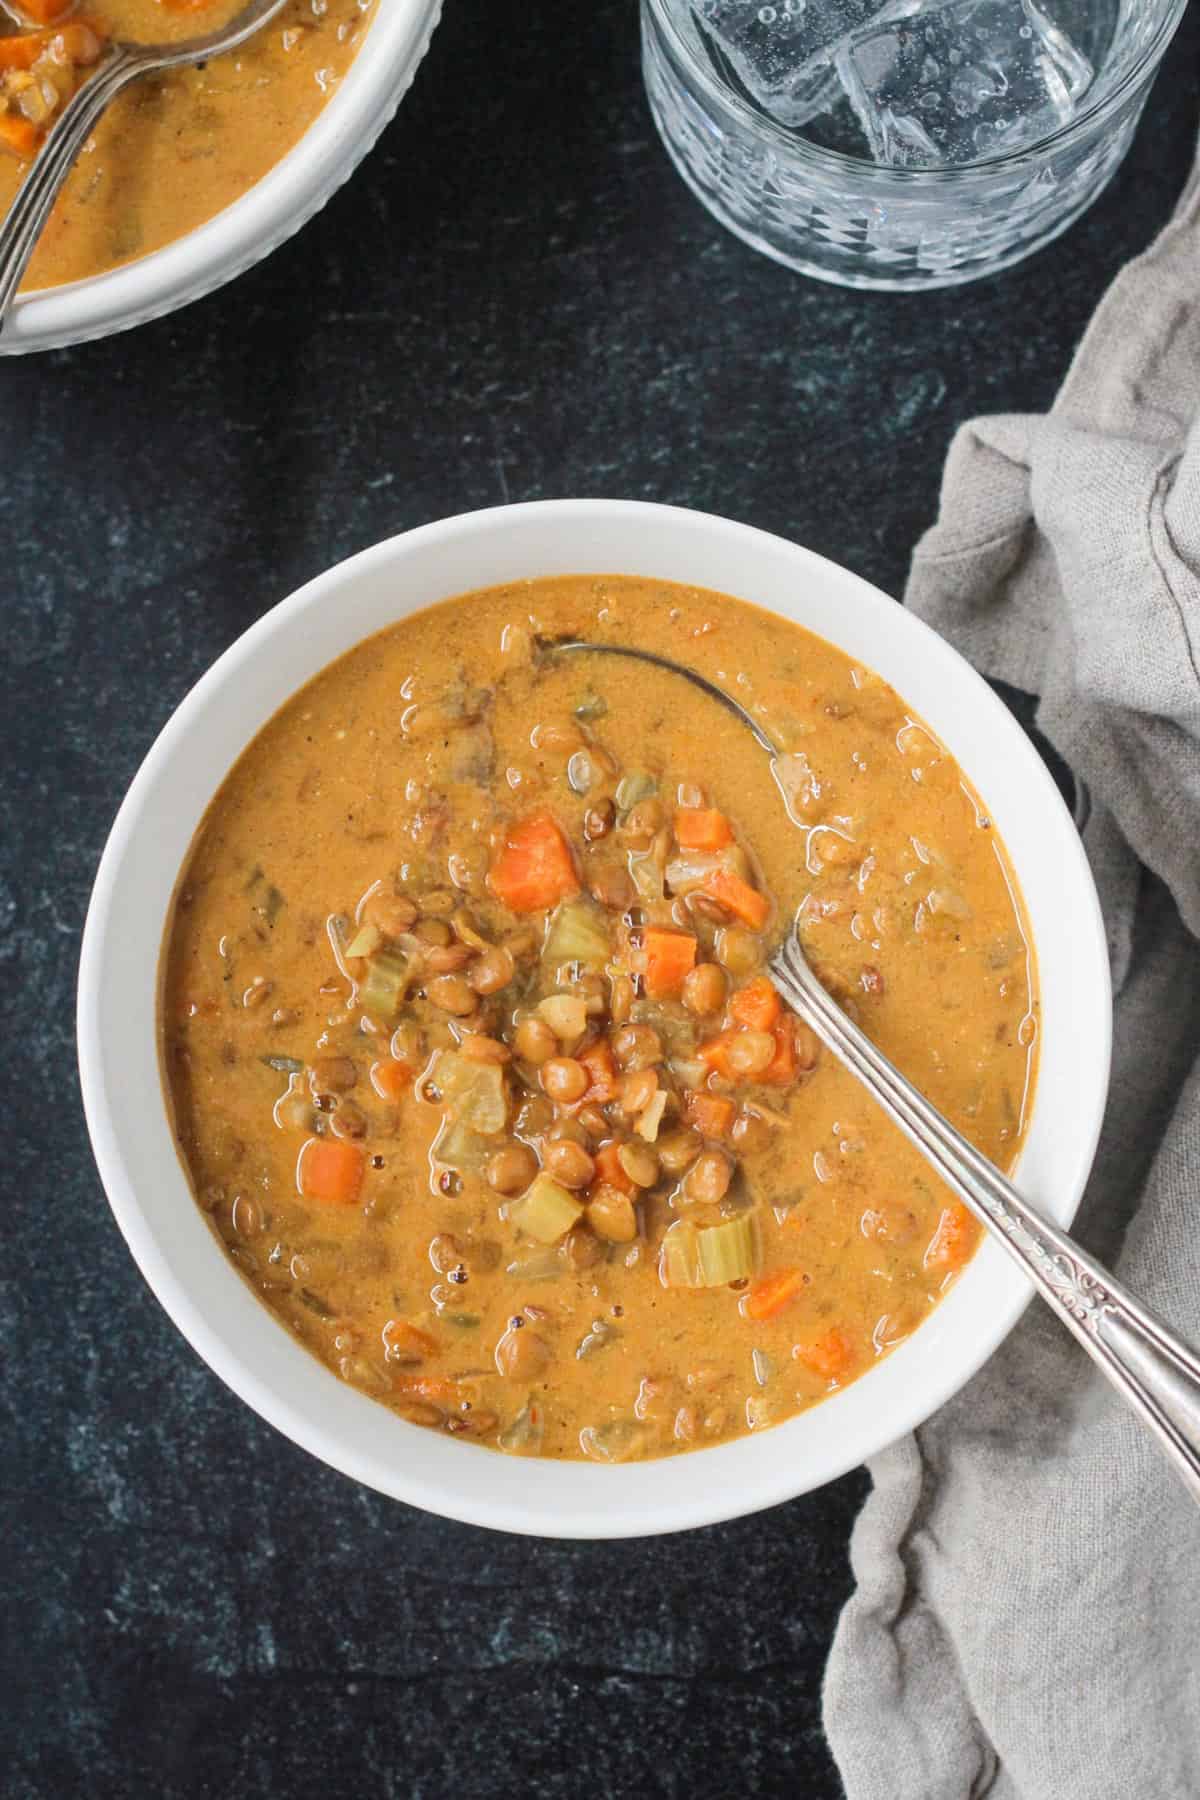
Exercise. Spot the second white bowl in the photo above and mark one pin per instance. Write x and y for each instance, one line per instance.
(265, 216)
(118, 1028)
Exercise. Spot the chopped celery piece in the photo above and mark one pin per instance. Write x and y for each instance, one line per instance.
(635, 786)
(577, 933)
(592, 706)
(651, 1117)
(545, 1211)
(472, 1092)
(385, 984)
(537, 1265)
(565, 1014)
(613, 1442)
(647, 877)
(709, 1256)
(729, 1251)
(692, 868)
(679, 1262)
(524, 1436)
(365, 941)
(458, 1147)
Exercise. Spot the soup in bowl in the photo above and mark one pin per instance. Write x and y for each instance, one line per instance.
(195, 173)
(468, 1048)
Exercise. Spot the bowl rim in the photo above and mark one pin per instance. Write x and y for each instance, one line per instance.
(307, 1402)
(258, 221)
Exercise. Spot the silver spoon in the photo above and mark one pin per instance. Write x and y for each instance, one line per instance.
(117, 67)
(1150, 1366)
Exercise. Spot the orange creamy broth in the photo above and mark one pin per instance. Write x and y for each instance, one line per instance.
(175, 149)
(445, 837)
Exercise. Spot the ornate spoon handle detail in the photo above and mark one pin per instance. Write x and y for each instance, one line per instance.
(1154, 1370)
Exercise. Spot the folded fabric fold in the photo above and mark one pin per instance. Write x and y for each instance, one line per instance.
(1026, 1621)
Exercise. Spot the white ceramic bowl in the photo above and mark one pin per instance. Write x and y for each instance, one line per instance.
(261, 220)
(171, 1241)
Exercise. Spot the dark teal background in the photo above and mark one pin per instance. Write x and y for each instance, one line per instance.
(514, 298)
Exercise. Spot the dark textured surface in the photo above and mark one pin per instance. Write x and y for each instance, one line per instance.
(515, 298)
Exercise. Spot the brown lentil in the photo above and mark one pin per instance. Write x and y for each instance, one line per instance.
(707, 1181)
(704, 989)
(569, 1163)
(637, 1047)
(452, 994)
(511, 1169)
(534, 1041)
(492, 970)
(564, 1080)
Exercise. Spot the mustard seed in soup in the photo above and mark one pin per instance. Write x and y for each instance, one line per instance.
(475, 1066)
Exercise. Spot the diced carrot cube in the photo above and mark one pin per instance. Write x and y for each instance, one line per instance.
(770, 1295)
(20, 50)
(403, 1335)
(434, 1390)
(832, 1356)
(715, 1052)
(44, 12)
(711, 1114)
(392, 1079)
(953, 1241)
(757, 1005)
(738, 897)
(601, 1066)
(331, 1170)
(534, 869)
(781, 1071)
(667, 959)
(610, 1172)
(702, 828)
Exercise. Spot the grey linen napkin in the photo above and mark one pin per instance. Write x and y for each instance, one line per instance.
(1026, 1622)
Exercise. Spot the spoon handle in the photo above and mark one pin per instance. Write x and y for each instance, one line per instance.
(1155, 1370)
(31, 206)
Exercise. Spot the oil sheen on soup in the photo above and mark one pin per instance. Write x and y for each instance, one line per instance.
(474, 1063)
(174, 149)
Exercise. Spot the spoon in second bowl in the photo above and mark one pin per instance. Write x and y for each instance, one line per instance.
(116, 67)
(1151, 1367)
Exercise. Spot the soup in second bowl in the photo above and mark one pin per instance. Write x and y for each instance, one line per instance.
(173, 150)
(474, 1062)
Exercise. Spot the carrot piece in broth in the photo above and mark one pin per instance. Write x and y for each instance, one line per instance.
(702, 828)
(331, 1170)
(757, 1005)
(669, 957)
(770, 1295)
(738, 897)
(534, 868)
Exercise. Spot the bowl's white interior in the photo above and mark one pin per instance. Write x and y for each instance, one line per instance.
(117, 1027)
(268, 213)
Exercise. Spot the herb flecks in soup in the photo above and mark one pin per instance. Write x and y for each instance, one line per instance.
(174, 149)
(475, 1064)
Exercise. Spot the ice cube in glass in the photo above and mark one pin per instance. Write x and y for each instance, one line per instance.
(960, 82)
(782, 53)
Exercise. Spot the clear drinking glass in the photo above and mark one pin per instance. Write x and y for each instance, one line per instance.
(812, 197)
